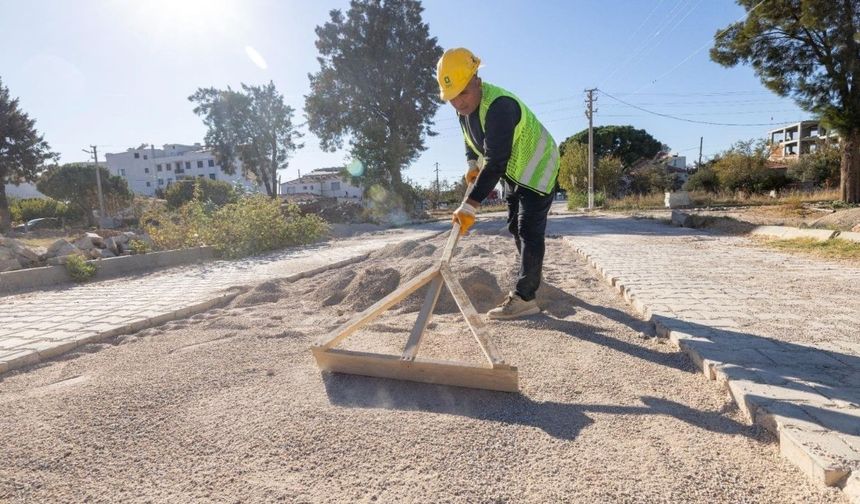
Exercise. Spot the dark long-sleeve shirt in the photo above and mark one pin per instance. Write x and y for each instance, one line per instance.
(495, 143)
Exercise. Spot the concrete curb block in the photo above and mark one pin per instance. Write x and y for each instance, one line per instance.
(850, 236)
(13, 282)
(800, 441)
(27, 357)
(788, 233)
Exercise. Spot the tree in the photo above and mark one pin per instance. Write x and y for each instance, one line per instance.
(75, 184)
(23, 150)
(253, 126)
(744, 168)
(624, 142)
(819, 168)
(806, 49)
(573, 171)
(376, 86)
(216, 192)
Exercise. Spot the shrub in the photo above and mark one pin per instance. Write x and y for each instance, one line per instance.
(215, 192)
(79, 268)
(249, 226)
(138, 247)
(705, 179)
(257, 223)
(819, 168)
(23, 210)
(332, 210)
(580, 200)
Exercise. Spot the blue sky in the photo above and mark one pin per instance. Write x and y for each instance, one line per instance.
(117, 73)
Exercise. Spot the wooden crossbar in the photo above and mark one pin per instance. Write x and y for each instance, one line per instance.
(496, 376)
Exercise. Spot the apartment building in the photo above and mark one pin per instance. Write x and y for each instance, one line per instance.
(322, 183)
(147, 169)
(794, 140)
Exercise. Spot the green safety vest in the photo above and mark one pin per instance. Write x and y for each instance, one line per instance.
(534, 154)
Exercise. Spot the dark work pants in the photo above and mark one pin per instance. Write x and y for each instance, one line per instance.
(527, 212)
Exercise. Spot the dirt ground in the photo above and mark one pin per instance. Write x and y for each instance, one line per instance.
(746, 218)
(228, 406)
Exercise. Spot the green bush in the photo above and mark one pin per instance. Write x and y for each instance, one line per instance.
(214, 192)
(580, 200)
(705, 179)
(249, 226)
(23, 210)
(79, 268)
(820, 168)
(138, 247)
(256, 224)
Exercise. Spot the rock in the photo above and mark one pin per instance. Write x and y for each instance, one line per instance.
(24, 255)
(9, 265)
(112, 245)
(6, 254)
(682, 219)
(677, 199)
(125, 237)
(60, 248)
(105, 253)
(89, 241)
(856, 229)
(60, 260)
(94, 253)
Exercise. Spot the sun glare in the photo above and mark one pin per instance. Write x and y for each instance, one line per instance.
(184, 23)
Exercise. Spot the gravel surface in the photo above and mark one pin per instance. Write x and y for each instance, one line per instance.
(228, 406)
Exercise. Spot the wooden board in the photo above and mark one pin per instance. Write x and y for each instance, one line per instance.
(359, 320)
(424, 316)
(473, 320)
(504, 378)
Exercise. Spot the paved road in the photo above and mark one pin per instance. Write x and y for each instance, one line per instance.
(782, 330)
(40, 325)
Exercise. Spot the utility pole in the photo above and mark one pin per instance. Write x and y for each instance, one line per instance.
(436, 203)
(95, 154)
(589, 113)
(700, 152)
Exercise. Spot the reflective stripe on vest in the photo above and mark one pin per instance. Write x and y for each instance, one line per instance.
(534, 157)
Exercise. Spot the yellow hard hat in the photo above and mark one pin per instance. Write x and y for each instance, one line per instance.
(454, 71)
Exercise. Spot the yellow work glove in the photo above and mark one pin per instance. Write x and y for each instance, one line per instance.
(472, 172)
(465, 215)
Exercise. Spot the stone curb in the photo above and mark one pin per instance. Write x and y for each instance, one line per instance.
(788, 233)
(28, 356)
(850, 236)
(23, 280)
(816, 451)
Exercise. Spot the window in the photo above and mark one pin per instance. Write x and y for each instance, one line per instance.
(161, 181)
(137, 155)
(201, 175)
(199, 164)
(158, 167)
(148, 184)
(122, 172)
(169, 181)
(304, 188)
(212, 176)
(211, 163)
(146, 170)
(188, 165)
(335, 186)
(145, 156)
(178, 165)
(312, 188)
(168, 167)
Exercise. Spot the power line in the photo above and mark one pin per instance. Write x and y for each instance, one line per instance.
(683, 119)
(697, 51)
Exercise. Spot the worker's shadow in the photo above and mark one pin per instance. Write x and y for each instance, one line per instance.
(559, 420)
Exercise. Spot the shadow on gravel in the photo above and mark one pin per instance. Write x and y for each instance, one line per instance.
(559, 420)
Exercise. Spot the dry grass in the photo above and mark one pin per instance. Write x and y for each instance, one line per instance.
(829, 249)
(792, 201)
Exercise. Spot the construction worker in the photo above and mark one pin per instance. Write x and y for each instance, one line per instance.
(504, 140)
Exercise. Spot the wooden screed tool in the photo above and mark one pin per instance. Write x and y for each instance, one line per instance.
(494, 375)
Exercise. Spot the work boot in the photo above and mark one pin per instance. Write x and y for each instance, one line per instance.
(513, 307)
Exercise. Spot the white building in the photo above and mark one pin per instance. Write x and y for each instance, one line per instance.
(325, 183)
(795, 140)
(147, 169)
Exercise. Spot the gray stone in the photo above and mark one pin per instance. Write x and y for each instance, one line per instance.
(94, 253)
(6, 254)
(112, 245)
(59, 248)
(850, 236)
(788, 233)
(9, 264)
(679, 199)
(24, 254)
(105, 253)
(60, 260)
(682, 219)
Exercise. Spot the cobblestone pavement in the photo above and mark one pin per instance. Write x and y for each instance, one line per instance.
(782, 331)
(43, 324)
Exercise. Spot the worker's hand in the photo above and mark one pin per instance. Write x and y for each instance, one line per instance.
(465, 216)
(472, 172)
